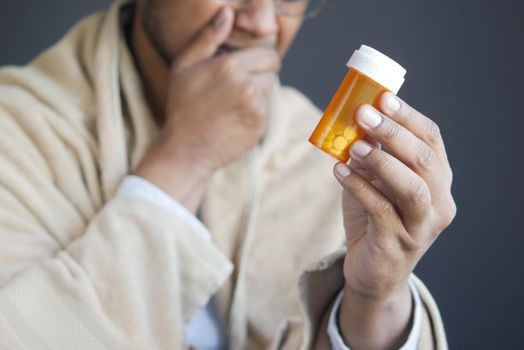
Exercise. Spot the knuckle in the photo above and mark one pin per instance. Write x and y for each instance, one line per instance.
(381, 161)
(382, 206)
(391, 131)
(433, 131)
(425, 158)
(377, 205)
(419, 196)
(408, 243)
(360, 187)
(445, 217)
(407, 114)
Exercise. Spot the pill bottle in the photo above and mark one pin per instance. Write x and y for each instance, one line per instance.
(370, 74)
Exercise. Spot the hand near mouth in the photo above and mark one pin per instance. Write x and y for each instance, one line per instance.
(217, 102)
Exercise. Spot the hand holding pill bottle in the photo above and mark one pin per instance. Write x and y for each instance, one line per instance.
(371, 73)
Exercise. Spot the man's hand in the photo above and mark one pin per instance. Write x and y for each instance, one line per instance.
(395, 204)
(215, 111)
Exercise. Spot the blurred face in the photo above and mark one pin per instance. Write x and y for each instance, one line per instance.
(172, 24)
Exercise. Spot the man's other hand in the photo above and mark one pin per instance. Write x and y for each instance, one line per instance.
(395, 204)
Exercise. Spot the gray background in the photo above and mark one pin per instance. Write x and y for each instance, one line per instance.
(465, 71)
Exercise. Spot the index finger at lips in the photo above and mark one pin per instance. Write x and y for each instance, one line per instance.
(206, 41)
(420, 125)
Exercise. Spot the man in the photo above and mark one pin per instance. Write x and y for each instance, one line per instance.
(157, 192)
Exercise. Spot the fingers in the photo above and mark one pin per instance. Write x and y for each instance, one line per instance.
(253, 60)
(264, 83)
(261, 87)
(212, 36)
(414, 176)
(368, 175)
(207, 41)
(405, 146)
(406, 189)
(420, 125)
(379, 208)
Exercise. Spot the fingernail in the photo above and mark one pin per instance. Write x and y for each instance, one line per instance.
(342, 170)
(392, 103)
(370, 118)
(360, 149)
(220, 18)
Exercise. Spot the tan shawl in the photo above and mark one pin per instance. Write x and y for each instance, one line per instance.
(83, 269)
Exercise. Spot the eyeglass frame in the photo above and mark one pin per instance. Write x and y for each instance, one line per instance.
(278, 12)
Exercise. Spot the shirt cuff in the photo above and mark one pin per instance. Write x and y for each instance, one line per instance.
(137, 187)
(335, 336)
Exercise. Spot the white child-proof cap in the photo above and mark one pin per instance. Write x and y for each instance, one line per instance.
(378, 67)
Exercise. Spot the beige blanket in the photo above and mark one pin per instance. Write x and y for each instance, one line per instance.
(83, 269)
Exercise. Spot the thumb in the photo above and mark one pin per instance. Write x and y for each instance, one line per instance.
(206, 42)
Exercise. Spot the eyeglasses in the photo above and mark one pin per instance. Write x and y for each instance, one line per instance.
(293, 8)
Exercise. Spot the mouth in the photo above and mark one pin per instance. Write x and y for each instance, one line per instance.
(225, 49)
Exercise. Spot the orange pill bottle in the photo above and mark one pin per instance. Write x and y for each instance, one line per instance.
(371, 73)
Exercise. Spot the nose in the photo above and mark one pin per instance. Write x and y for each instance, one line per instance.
(258, 18)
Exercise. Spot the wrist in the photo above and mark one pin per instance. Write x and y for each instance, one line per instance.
(177, 174)
(376, 321)
(378, 296)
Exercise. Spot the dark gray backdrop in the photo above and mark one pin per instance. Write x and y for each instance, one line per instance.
(465, 70)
